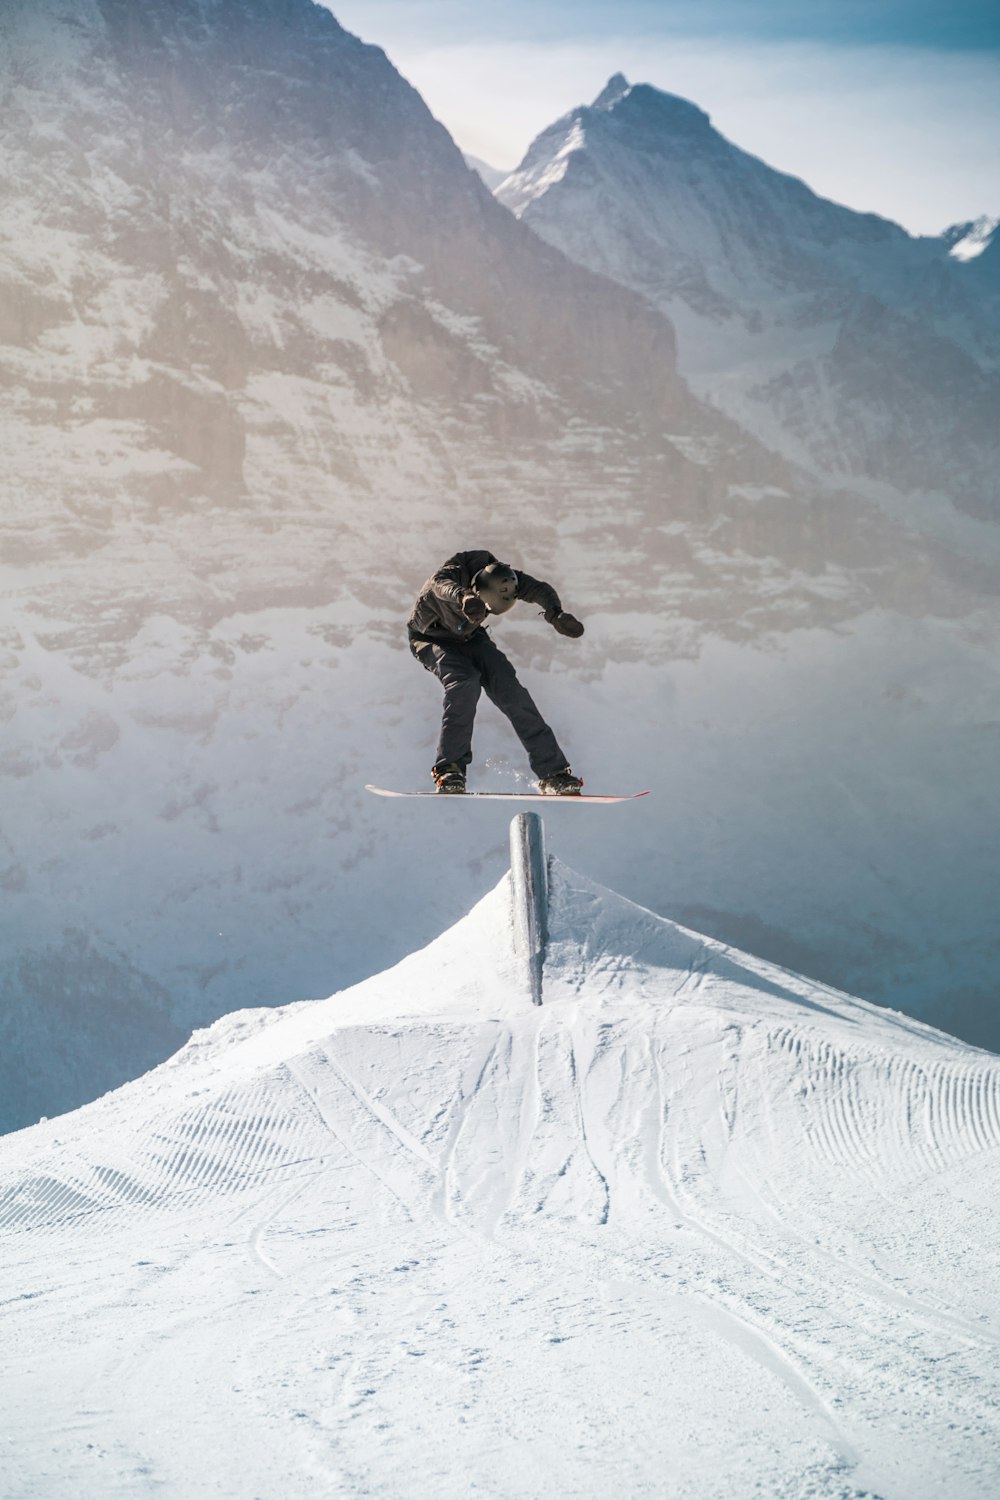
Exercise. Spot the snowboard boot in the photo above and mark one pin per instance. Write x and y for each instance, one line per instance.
(449, 778)
(560, 784)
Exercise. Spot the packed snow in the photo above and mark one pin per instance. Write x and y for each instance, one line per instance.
(695, 1226)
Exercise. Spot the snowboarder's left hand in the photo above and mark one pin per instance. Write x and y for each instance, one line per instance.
(565, 624)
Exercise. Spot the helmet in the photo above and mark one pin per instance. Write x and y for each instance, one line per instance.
(496, 585)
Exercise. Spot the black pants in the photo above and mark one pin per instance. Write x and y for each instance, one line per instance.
(467, 669)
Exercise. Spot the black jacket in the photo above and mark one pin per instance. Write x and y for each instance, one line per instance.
(437, 614)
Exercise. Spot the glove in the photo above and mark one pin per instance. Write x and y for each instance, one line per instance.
(474, 609)
(566, 624)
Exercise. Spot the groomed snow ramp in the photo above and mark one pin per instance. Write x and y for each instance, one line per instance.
(695, 1226)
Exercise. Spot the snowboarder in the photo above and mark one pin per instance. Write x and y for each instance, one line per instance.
(447, 636)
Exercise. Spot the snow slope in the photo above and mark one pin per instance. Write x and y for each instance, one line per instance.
(694, 1227)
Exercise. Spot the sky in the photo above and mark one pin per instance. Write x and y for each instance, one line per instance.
(890, 106)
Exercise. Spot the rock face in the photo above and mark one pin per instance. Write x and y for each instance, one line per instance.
(270, 352)
(853, 346)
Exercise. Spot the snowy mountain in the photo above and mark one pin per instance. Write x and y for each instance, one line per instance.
(695, 1226)
(833, 335)
(270, 353)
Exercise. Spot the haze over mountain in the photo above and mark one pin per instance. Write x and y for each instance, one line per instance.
(833, 335)
(492, 176)
(695, 1227)
(270, 353)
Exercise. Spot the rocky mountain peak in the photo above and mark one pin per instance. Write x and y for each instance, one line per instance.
(616, 88)
(644, 105)
(758, 273)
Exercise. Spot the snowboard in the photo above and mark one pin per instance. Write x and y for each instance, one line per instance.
(381, 791)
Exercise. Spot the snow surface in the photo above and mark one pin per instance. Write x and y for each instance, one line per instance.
(695, 1227)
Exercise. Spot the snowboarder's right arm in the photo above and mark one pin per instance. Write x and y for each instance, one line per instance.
(453, 581)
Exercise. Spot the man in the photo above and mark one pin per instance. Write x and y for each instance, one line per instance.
(447, 636)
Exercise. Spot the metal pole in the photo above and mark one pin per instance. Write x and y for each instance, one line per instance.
(530, 891)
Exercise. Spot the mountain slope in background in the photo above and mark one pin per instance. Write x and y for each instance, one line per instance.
(834, 335)
(492, 176)
(270, 352)
(426, 1238)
